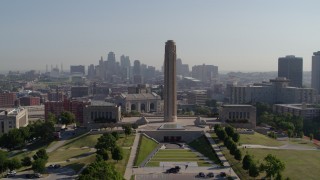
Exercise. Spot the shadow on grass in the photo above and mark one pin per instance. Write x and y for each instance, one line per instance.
(75, 166)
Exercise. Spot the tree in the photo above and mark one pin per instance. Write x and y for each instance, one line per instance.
(216, 127)
(39, 165)
(100, 170)
(221, 133)
(127, 129)
(290, 133)
(52, 118)
(103, 153)
(106, 141)
(3, 161)
(253, 170)
(229, 130)
(26, 161)
(41, 154)
(237, 155)
(246, 162)
(236, 137)
(272, 166)
(233, 148)
(67, 117)
(13, 164)
(117, 153)
(211, 103)
(311, 136)
(115, 134)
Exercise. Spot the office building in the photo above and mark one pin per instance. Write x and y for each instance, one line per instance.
(7, 99)
(290, 67)
(277, 91)
(79, 91)
(77, 69)
(205, 73)
(170, 84)
(306, 111)
(315, 74)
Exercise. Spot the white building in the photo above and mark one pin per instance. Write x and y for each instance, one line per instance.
(13, 118)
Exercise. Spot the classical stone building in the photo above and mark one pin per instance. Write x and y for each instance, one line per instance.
(143, 102)
(242, 116)
(100, 113)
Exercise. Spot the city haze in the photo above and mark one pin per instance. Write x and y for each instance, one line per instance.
(239, 36)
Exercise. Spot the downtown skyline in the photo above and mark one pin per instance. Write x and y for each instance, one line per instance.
(238, 36)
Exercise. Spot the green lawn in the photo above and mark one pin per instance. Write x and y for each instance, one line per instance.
(177, 155)
(260, 139)
(299, 164)
(302, 142)
(146, 146)
(73, 149)
(83, 141)
(65, 154)
(202, 145)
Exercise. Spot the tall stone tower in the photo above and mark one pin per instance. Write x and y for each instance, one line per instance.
(170, 85)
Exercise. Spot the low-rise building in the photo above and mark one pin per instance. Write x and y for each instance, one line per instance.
(7, 99)
(29, 101)
(13, 118)
(242, 116)
(100, 113)
(198, 97)
(306, 111)
(275, 92)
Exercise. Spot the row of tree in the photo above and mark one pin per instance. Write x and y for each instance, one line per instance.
(293, 125)
(18, 138)
(38, 165)
(101, 169)
(107, 143)
(230, 138)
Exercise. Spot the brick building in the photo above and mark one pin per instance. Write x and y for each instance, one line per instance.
(7, 99)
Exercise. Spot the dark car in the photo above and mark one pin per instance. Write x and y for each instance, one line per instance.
(201, 175)
(223, 174)
(30, 176)
(173, 170)
(56, 166)
(210, 175)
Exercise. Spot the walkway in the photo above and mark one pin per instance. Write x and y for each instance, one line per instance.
(285, 147)
(221, 157)
(129, 169)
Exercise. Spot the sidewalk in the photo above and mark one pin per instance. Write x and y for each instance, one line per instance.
(221, 156)
(129, 170)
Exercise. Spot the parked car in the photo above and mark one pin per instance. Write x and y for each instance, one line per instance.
(210, 175)
(29, 176)
(56, 166)
(223, 174)
(37, 175)
(173, 170)
(201, 175)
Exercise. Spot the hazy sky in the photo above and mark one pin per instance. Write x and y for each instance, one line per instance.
(246, 35)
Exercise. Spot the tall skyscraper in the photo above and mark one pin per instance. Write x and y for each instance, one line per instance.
(290, 67)
(315, 77)
(170, 85)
